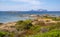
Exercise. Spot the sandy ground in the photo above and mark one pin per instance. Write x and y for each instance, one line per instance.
(10, 26)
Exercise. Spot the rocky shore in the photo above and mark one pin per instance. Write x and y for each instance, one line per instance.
(40, 24)
(10, 26)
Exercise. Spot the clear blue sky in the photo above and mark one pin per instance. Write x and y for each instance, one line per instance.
(20, 5)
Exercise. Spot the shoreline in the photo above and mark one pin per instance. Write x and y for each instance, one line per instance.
(40, 22)
(32, 16)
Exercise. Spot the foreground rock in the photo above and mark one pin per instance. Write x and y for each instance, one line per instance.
(8, 26)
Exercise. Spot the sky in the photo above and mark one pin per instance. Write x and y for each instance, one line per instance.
(25, 5)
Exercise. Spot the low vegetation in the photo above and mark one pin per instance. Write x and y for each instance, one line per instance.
(26, 28)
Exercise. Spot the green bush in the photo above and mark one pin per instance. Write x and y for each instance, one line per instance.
(2, 34)
(21, 25)
(35, 29)
(53, 33)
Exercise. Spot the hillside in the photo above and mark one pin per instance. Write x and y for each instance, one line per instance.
(42, 26)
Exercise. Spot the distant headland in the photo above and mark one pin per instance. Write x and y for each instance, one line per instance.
(40, 10)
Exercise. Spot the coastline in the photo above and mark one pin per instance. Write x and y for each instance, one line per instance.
(10, 16)
(27, 27)
(29, 16)
(38, 17)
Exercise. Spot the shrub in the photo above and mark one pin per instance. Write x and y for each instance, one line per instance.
(2, 34)
(21, 25)
(53, 33)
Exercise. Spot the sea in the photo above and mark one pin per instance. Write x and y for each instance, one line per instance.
(11, 16)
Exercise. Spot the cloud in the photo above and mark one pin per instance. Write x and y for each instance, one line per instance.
(21, 5)
(14, 7)
(31, 2)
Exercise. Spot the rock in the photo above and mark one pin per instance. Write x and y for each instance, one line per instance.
(44, 30)
(1, 23)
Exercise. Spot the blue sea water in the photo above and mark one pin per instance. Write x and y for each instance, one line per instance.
(8, 16)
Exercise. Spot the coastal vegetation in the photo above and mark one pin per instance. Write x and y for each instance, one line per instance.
(42, 26)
